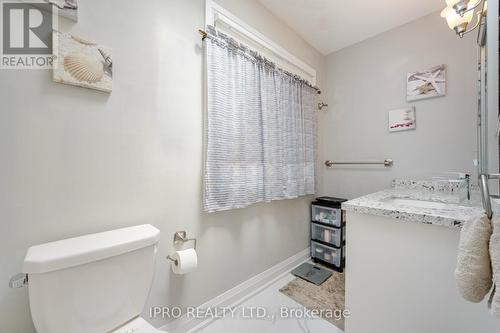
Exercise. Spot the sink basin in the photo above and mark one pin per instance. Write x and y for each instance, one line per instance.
(417, 203)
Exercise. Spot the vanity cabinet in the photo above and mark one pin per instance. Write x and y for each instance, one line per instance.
(414, 291)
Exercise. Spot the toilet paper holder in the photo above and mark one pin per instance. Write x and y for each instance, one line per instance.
(181, 237)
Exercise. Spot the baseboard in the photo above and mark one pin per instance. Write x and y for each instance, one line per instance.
(240, 293)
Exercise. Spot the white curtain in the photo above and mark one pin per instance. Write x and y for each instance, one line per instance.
(260, 131)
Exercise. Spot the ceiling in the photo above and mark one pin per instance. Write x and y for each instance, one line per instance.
(330, 25)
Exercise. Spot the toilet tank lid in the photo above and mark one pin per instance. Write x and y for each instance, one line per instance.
(89, 248)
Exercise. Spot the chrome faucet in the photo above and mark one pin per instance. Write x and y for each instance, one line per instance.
(466, 177)
(460, 176)
(467, 182)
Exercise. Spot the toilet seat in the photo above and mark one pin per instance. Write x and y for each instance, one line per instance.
(138, 325)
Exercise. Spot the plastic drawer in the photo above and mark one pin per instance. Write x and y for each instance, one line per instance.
(333, 236)
(326, 215)
(327, 254)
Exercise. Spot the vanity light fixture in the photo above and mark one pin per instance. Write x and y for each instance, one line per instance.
(460, 13)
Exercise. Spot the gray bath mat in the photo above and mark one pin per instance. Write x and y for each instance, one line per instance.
(329, 295)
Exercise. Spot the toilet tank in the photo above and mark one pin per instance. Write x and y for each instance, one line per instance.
(91, 284)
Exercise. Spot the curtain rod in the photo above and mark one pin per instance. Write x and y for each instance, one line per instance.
(204, 35)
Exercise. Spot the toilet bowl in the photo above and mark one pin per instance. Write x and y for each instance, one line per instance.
(96, 283)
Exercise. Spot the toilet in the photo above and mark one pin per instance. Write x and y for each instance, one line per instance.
(97, 283)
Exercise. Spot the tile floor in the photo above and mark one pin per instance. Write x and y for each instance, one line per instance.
(271, 301)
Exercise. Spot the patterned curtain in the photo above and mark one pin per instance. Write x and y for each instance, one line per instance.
(260, 130)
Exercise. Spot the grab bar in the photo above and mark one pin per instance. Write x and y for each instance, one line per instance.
(485, 192)
(387, 163)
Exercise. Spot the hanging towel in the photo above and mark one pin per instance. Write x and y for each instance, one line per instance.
(473, 273)
(494, 302)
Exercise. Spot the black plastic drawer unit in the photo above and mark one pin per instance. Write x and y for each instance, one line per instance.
(328, 232)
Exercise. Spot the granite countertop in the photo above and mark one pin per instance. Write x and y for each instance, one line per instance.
(449, 211)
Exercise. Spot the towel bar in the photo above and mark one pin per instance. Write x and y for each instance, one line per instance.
(387, 163)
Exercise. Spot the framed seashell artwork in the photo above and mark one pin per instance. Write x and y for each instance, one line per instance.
(64, 8)
(81, 62)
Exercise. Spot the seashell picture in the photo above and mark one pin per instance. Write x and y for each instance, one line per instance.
(64, 8)
(81, 62)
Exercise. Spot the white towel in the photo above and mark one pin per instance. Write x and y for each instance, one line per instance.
(473, 272)
(494, 302)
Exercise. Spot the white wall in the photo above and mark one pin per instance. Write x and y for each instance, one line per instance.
(77, 161)
(368, 79)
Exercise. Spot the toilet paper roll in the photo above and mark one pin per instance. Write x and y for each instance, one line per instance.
(185, 261)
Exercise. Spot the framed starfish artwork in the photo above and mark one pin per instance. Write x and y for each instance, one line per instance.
(426, 84)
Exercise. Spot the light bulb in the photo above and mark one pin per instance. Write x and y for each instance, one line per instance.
(455, 21)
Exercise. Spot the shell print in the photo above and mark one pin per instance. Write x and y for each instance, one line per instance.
(83, 68)
(83, 41)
